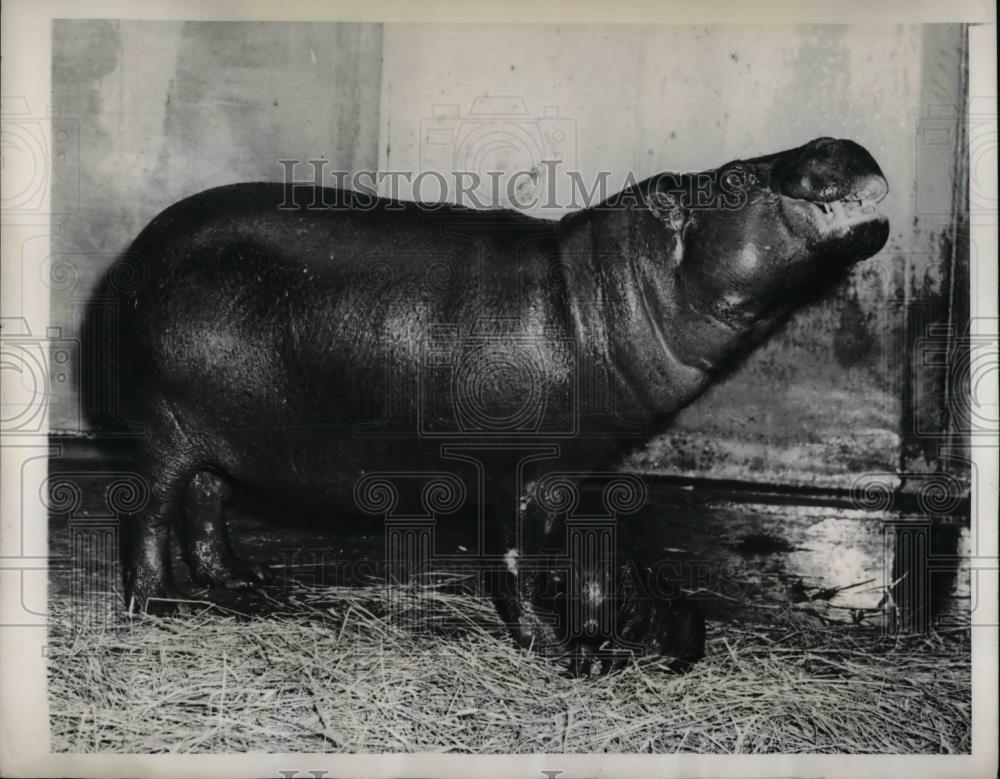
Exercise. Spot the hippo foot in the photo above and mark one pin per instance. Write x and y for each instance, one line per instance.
(233, 574)
(588, 629)
(145, 594)
(674, 629)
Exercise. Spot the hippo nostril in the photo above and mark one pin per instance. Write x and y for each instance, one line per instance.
(872, 187)
(828, 169)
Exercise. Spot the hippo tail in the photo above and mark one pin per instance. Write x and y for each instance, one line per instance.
(105, 357)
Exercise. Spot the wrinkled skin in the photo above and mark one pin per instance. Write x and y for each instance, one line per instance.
(285, 352)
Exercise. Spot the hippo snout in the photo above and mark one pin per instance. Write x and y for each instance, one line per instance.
(828, 169)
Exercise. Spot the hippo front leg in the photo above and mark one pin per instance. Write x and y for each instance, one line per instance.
(587, 609)
(649, 620)
(613, 619)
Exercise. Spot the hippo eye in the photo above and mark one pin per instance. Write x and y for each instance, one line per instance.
(734, 178)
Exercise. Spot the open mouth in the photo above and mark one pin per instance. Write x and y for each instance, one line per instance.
(836, 217)
(846, 211)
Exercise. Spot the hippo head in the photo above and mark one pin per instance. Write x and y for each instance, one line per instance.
(756, 237)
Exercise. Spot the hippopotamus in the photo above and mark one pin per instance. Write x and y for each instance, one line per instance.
(288, 341)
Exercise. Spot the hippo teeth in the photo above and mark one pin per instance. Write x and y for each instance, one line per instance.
(855, 208)
(848, 210)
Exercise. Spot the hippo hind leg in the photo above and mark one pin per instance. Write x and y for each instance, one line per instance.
(204, 536)
(146, 564)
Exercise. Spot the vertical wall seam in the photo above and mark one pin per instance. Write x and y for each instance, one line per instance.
(959, 229)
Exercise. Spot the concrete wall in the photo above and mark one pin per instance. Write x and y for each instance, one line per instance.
(161, 110)
(166, 109)
(824, 400)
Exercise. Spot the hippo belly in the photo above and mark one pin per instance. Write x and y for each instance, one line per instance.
(295, 365)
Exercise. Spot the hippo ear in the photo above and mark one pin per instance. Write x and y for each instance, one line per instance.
(667, 207)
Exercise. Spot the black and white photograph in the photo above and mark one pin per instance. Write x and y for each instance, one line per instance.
(542, 393)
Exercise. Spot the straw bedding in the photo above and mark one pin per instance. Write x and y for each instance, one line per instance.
(425, 669)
